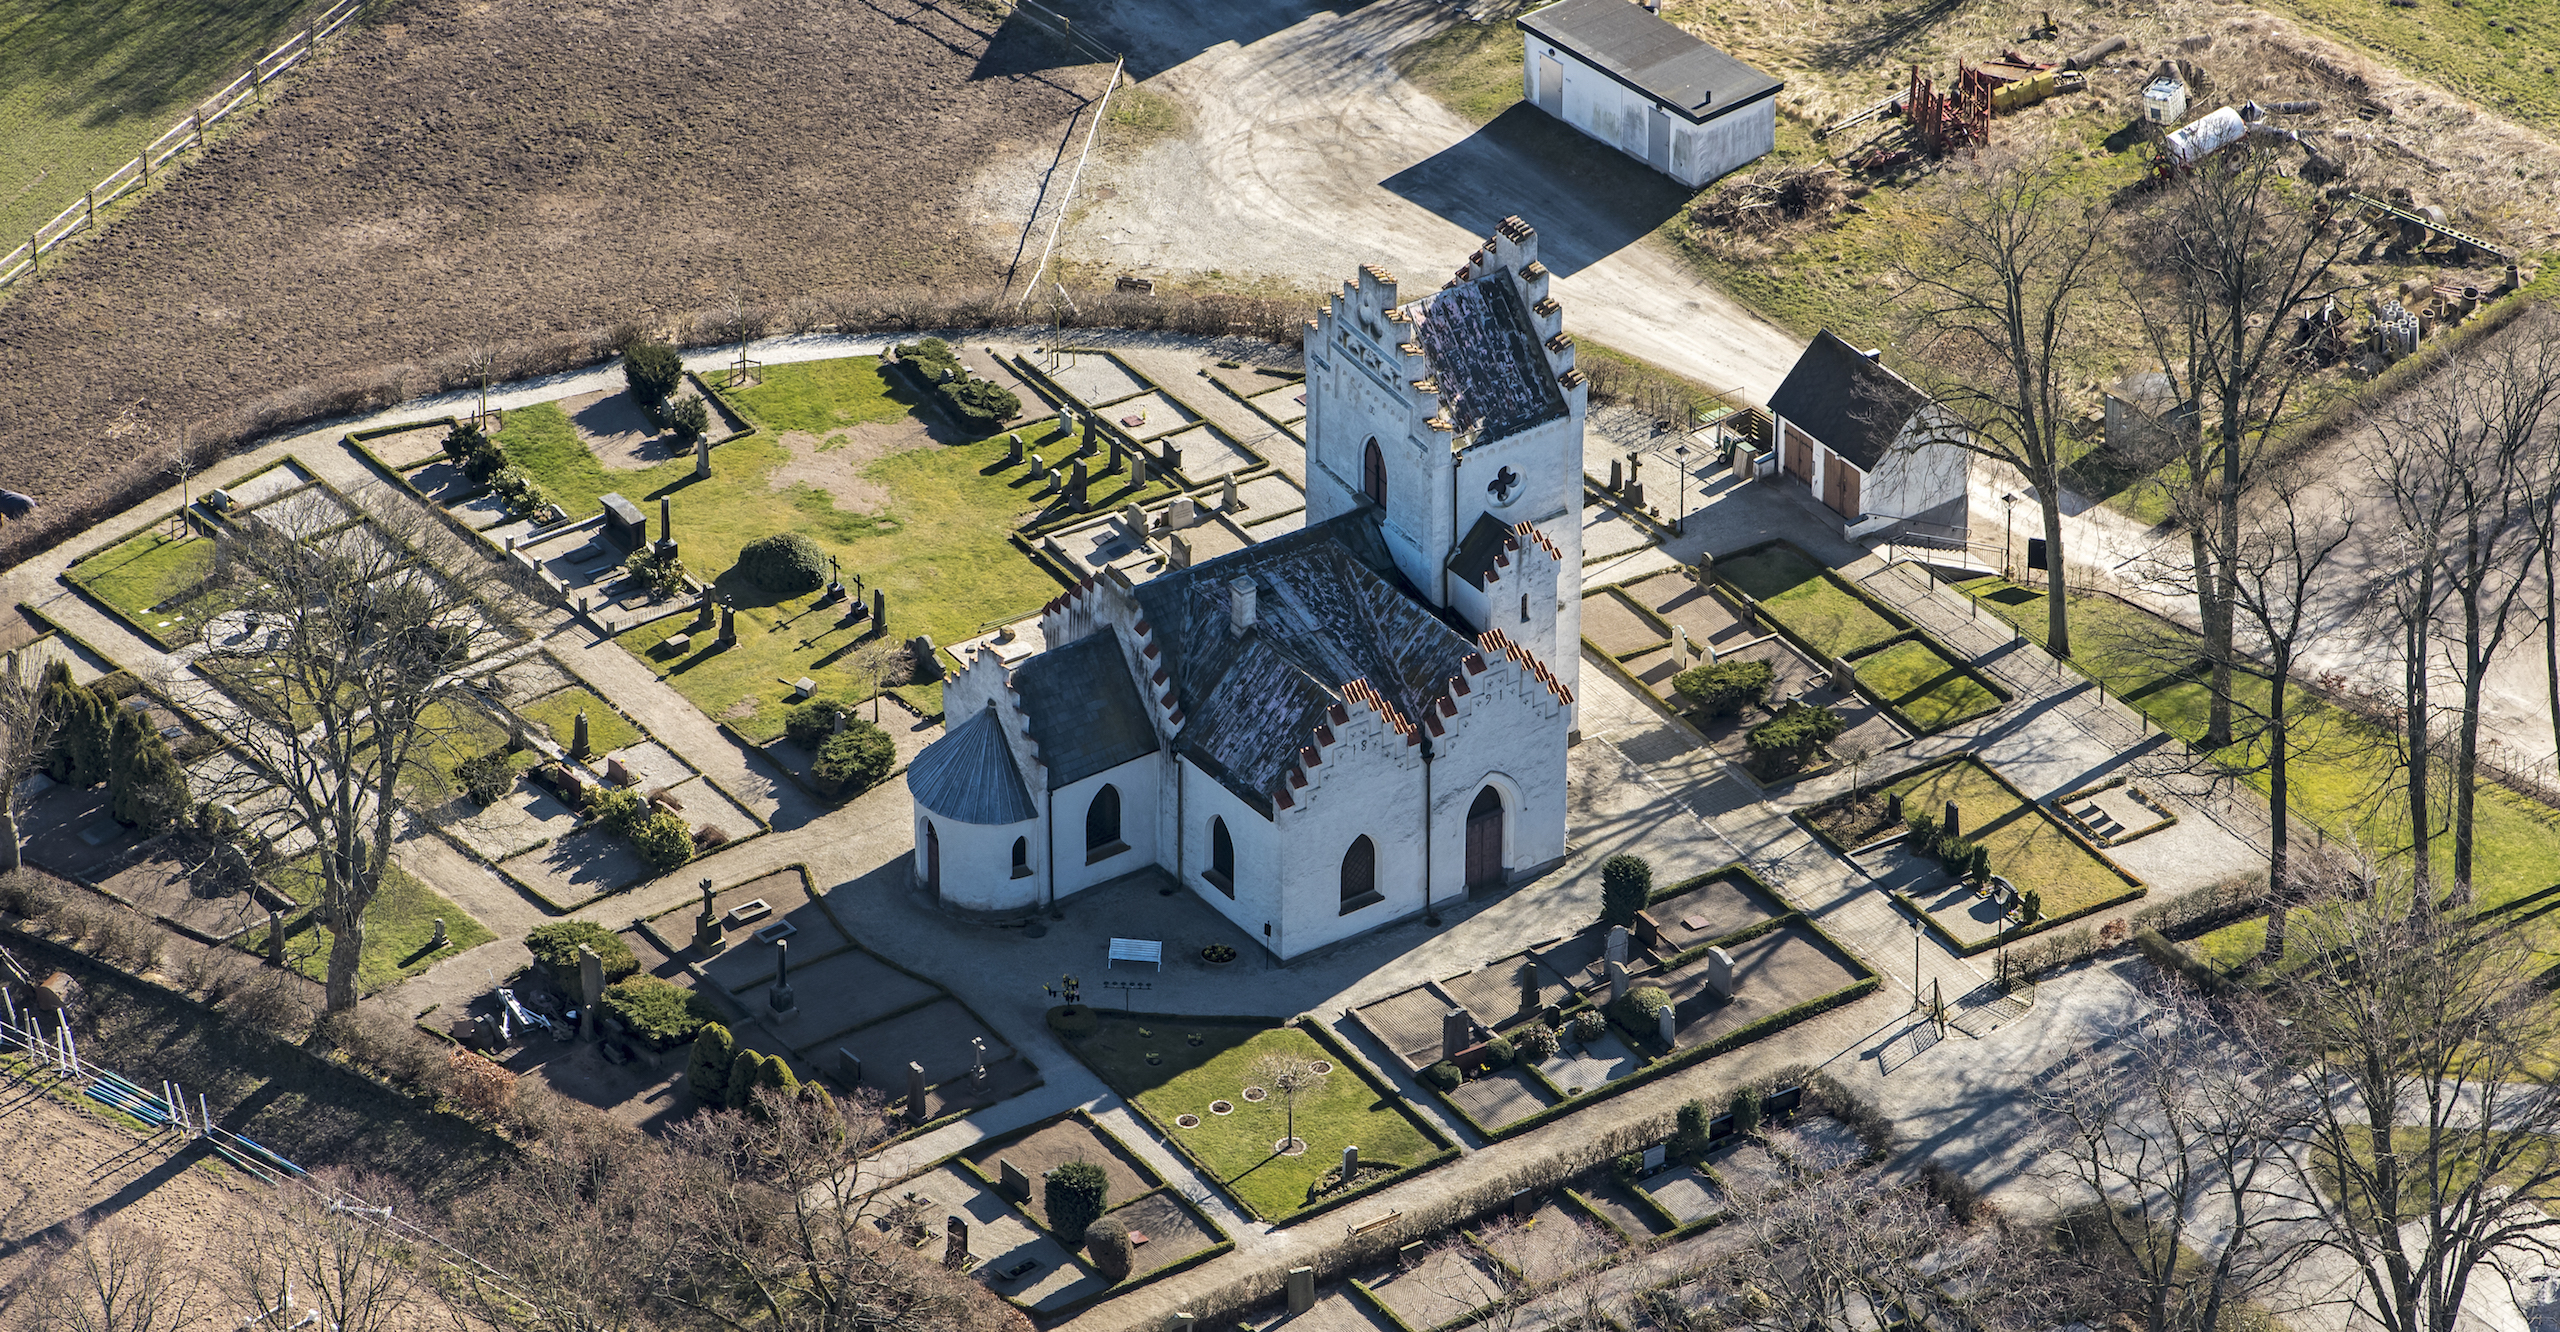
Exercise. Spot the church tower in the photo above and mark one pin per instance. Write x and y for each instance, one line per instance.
(1459, 415)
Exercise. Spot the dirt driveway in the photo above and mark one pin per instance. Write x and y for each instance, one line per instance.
(1308, 155)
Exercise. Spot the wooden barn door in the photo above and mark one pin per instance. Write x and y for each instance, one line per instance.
(1799, 455)
(1840, 487)
(1484, 840)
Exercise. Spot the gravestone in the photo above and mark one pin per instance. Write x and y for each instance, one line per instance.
(784, 1003)
(1177, 552)
(615, 774)
(1183, 513)
(1524, 1204)
(1092, 427)
(441, 937)
(702, 456)
(578, 736)
(666, 548)
(978, 1065)
(1720, 972)
(728, 626)
(1667, 1024)
(928, 667)
(879, 611)
(1227, 501)
(1138, 468)
(1679, 647)
(915, 1092)
(1076, 484)
(706, 613)
(1114, 464)
(1617, 981)
(1066, 420)
(590, 989)
(1302, 1289)
(1172, 458)
(1530, 994)
(1039, 467)
(1617, 475)
(1457, 1031)
(1635, 494)
(1954, 825)
(484, 1033)
(1013, 448)
(1617, 946)
(848, 1067)
(955, 1243)
(624, 524)
(1654, 1156)
(1135, 519)
(1350, 1163)
(1010, 1177)
(708, 938)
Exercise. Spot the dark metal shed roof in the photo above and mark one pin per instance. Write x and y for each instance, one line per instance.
(968, 775)
(1654, 57)
(1084, 710)
(1854, 405)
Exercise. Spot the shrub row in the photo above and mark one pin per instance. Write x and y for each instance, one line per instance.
(980, 405)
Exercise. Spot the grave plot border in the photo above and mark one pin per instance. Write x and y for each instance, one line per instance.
(2061, 807)
(1220, 1241)
(1056, 394)
(199, 518)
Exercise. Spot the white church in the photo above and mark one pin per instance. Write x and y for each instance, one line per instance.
(1332, 730)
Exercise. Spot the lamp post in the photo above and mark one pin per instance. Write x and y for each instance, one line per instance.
(2008, 535)
(1680, 525)
(1915, 963)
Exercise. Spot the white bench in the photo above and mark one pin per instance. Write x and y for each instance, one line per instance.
(1136, 950)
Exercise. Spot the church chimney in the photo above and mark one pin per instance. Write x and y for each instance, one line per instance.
(1240, 605)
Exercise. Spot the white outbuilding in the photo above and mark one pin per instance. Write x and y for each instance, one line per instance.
(1621, 74)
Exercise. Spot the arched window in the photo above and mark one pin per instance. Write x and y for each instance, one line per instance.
(932, 858)
(1102, 825)
(1222, 858)
(1373, 475)
(1021, 857)
(1359, 875)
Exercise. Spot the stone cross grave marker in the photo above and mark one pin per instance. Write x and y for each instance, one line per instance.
(1720, 972)
(1456, 1030)
(728, 626)
(708, 938)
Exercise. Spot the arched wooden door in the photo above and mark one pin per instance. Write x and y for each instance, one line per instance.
(1484, 840)
(932, 858)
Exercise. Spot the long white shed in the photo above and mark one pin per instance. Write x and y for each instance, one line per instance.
(1621, 74)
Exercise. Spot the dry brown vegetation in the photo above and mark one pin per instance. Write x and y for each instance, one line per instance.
(516, 173)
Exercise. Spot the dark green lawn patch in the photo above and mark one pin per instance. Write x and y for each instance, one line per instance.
(541, 440)
(154, 581)
(823, 396)
(1237, 1148)
(557, 714)
(1923, 687)
(1814, 604)
(2028, 847)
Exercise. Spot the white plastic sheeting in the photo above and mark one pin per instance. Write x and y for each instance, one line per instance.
(2208, 135)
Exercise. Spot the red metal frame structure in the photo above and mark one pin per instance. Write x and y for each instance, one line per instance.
(1951, 120)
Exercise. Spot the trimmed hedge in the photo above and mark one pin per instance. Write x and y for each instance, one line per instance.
(786, 563)
(1725, 687)
(855, 759)
(1076, 1193)
(555, 946)
(659, 1012)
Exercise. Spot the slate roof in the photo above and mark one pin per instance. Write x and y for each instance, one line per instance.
(1652, 56)
(1855, 406)
(1329, 610)
(1478, 550)
(969, 775)
(1483, 351)
(1084, 709)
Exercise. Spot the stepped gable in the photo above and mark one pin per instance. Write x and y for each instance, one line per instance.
(1485, 358)
(969, 775)
(1083, 710)
(1332, 622)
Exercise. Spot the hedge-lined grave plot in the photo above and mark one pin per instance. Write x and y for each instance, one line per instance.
(1930, 692)
(2027, 845)
(1808, 599)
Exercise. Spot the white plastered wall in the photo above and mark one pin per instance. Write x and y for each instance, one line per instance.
(1368, 782)
(977, 863)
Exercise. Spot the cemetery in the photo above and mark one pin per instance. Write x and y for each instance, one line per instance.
(1706, 965)
(1200, 1081)
(1917, 680)
(1961, 844)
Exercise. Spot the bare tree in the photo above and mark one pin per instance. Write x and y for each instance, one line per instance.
(352, 654)
(117, 1277)
(2290, 542)
(1840, 1250)
(2233, 258)
(2430, 1125)
(312, 1248)
(1287, 1074)
(1992, 296)
(877, 660)
(2175, 1141)
(2467, 467)
(27, 727)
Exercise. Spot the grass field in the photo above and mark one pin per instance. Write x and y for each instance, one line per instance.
(454, 734)
(397, 928)
(2501, 53)
(1917, 681)
(2028, 847)
(939, 547)
(557, 714)
(1473, 68)
(2345, 773)
(1808, 600)
(1345, 1109)
(139, 578)
(88, 84)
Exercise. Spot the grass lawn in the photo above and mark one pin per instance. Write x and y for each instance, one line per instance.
(453, 733)
(397, 927)
(2459, 1163)
(1809, 599)
(90, 84)
(938, 548)
(2345, 773)
(557, 714)
(1917, 681)
(1473, 68)
(137, 577)
(2028, 847)
(1345, 1109)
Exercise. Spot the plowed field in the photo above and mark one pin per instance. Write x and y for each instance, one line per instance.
(461, 172)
